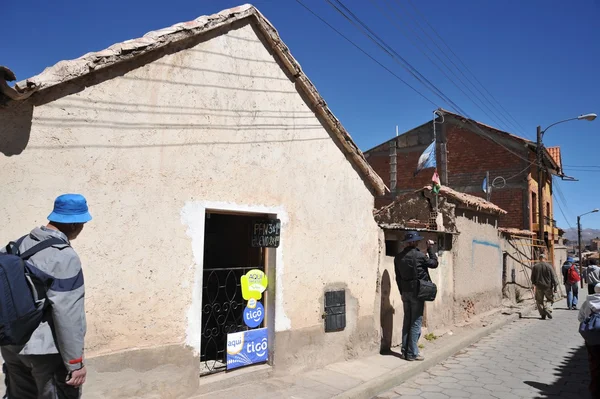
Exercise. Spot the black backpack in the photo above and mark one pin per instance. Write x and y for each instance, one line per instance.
(22, 290)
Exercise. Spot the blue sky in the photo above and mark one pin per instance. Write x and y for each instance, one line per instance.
(539, 59)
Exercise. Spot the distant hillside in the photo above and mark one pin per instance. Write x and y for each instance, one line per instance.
(586, 234)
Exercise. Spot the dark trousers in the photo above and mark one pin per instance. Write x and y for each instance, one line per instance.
(37, 377)
(594, 362)
(591, 289)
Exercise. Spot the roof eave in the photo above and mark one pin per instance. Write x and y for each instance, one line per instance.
(129, 49)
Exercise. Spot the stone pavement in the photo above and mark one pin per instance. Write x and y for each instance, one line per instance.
(528, 358)
(361, 378)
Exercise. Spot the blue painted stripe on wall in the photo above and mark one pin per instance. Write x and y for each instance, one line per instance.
(487, 243)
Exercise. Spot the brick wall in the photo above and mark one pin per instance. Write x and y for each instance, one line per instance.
(380, 162)
(470, 156)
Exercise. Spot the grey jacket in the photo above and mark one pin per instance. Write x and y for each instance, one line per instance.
(593, 274)
(66, 296)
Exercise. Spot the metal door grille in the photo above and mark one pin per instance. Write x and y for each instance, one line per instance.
(222, 313)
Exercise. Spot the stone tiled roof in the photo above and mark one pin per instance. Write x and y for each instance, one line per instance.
(555, 154)
(469, 200)
(65, 71)
(516, 232)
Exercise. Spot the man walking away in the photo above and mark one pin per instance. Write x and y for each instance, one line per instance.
(411, 265)
(570, 279)
(50, 364)
(590, 306)
(592, 276)
(545, 285)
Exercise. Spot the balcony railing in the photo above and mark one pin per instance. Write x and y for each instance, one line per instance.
(547, 221)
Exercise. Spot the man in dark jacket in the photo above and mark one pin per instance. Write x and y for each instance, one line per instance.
(412, 265)
(545, 285)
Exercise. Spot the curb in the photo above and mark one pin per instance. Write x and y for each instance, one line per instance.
(396, 377)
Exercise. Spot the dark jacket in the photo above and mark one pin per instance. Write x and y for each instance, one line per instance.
(405, 264)
(542, 276)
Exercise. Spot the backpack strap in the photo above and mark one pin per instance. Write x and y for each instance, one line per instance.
(12, 248)
(41, 246)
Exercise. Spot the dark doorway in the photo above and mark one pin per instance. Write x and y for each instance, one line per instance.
(228, 255)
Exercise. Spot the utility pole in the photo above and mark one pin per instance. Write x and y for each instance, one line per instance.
(487, 186)
(540, 167)
(579, 244)
(579, 241)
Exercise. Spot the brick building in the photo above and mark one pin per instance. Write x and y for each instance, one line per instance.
(466, 150)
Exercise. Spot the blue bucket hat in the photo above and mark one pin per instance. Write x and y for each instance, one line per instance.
(70, 208)
(412, 236)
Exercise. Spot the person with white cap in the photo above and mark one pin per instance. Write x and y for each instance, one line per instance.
(50, 365)
(591, 307)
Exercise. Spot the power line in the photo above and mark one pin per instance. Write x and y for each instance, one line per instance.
(484, 100)
(463, 64)
(398, 27)
(414, 72)
(390, 51)
(521, 172)
(584, 170)
(564, 201)
(563, 213)
(365, 53)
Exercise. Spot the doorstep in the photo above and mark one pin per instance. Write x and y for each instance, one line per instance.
(212, 383)
(361, 378)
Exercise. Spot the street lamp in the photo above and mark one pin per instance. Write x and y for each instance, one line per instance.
(540, 166)
(579, 242)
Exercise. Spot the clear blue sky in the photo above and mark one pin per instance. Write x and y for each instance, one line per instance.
(540, 59)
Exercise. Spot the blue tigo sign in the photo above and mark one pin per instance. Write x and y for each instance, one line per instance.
(254, 313)
(246, 348)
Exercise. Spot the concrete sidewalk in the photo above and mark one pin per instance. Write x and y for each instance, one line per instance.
(366, 377)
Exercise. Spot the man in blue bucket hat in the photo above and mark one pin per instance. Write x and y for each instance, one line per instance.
(412, 265)
(50, 365)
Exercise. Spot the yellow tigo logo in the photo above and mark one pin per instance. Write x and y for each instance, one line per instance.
(253, 283)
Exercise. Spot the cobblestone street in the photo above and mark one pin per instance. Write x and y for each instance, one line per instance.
(529, 358)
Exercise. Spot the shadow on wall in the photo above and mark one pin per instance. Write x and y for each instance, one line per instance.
(572, 378)
(15, 119)
(387, 313)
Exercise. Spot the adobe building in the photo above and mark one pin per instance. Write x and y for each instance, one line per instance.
(469, 276)
(205, 152)
(465, 151)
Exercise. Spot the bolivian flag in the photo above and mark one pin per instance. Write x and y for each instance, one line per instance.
(435, 182)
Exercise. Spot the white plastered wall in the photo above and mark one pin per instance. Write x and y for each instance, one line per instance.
(217, 123)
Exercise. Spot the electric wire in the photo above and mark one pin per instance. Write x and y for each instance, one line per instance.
(366, 53)
(353, 19)
(498, 120)
(463, 64)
